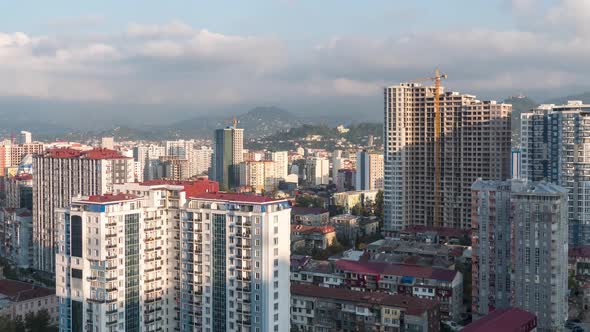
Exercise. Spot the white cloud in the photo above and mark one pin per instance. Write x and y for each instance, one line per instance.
(177, 63)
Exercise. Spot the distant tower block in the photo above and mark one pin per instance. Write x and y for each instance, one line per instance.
(108, 143)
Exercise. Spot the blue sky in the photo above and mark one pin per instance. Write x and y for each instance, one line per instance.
(297, 20)
(309, 55)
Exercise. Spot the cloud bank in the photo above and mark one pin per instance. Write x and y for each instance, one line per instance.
(547, 52)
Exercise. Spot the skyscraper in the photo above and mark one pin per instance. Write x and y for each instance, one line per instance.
(369, 170)
(556, 148)
(520, 249)
(491, 246)
(474, 142)
(235, 263)
(119, 257)
(227, 155)
(539, 213)
(281, 159)
(61, 174)
(317, 171)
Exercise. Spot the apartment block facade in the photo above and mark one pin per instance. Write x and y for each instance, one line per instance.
(228, 153)
(61, 174)
(474, 143)
(555, 147)
(235, 263)
(520, 250)
(369, 170)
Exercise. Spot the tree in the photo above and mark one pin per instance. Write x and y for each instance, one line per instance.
(39, 322)
(378, 207)
(10, 325)
(309, 201)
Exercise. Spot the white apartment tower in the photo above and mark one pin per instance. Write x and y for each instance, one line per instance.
(259, 175)
(101, 266)
(61, 174)
(235, 264)
(317, 171)
(369, 170)
(281, 159)
(474, 143)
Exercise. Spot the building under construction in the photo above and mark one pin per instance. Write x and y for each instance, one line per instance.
(435, 148)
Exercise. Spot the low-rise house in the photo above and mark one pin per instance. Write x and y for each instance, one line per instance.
(309, 216)
(314, 272)
(316, 308)
(347, 227)
(350, 199)
(442, 285)
(18, 299)
(313, 237)
(579, 260)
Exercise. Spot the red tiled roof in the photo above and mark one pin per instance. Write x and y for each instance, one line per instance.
(96, 153)
(109, 198)
(21, 291)
(580, 251)
(297, 210)
(383, 268)
(506, 320)
(192, 188)
(304, 229)
(233, 197)
(413, 305)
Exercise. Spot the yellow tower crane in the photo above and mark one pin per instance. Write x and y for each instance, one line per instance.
(437, 150)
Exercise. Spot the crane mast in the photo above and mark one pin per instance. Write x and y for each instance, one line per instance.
(437, 146)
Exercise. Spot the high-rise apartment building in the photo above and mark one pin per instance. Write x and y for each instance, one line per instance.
(235, 263)
(539, 213)
(317, 171)
(123, 251)
(520, 249)
(369, 170)
(491, 246)
(474, 142)
(25, 137)
(144, 157)
(12, 154)
(201, 161)
(101, 263)
(227, 155)
(107, 143)
(555, 147)
(259, 175)
(281, 159)
(61, 174)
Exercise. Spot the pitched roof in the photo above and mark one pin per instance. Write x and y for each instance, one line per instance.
(21, 291)
(508, 320)
(384, 268)
(305, 229)
(413, 305)
(192, 187)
